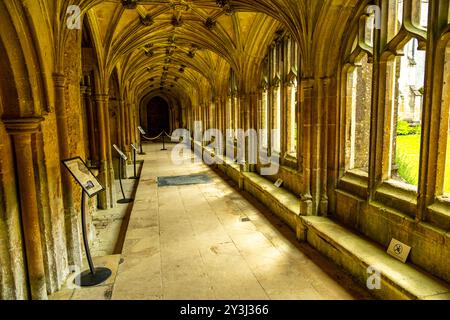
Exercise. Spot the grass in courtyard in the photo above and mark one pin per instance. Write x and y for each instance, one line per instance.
(408, 156)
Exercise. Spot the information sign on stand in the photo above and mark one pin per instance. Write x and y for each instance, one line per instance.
(91, 186)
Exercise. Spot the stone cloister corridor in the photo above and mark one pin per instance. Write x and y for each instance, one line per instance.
(307, 149)
(193, 242)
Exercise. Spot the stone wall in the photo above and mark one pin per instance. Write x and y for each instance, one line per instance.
(430, 246)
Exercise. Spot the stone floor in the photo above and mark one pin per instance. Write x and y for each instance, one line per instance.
(211, 242)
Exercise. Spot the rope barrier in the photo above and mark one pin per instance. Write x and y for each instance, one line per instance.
(168, 136)
(157, 137)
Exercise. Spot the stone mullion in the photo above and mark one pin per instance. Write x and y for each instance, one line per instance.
(205, 116)
(284, 127)
(71, 216)
(236, 111)
(288, 116)
(306, 100)
(432, 171)
(222, 122)
(252, 124)
(245, 103)
(269, 119)
(375, 150)
(22, 131)
(252, 111)
(380, 138)
(272, 121)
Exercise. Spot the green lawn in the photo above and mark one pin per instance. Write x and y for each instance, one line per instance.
(408, 149)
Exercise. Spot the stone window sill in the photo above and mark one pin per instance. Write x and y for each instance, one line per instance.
(399, 196)
(439, 213)
(355, 182)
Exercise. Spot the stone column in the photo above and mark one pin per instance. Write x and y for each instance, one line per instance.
(93, 148)
(106, 173)
(244, 102)
(71, 216)
(252, 123)
(129, 127)
(124, 135)
(323, 147)
(22, 131)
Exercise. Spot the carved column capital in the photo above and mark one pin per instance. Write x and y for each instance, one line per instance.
(59, 79)
(307, 83)
(21, 126)
(101, 97)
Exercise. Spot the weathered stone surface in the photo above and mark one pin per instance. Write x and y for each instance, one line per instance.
(317, 70)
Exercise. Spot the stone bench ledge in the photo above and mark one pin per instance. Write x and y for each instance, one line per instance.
(356, 253)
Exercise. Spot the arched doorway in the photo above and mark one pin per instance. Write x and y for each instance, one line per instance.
(158, 116)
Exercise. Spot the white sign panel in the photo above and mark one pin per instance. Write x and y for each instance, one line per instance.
(399, 250)
(142, 131)
(124, 157)
(279, 183)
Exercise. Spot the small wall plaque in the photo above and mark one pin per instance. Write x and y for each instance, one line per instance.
(123, 156)
(279, 183)
(399, 250)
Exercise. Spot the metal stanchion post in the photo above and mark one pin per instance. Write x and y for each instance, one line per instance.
(93, 276)
(141, 149)
(124, 200)
(134, 163)
(164, 141)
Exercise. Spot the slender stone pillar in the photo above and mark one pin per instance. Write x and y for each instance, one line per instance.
(128, 107)
(106, 172)
(71, 216)
(93, 144)
(286, 144)
(22, 131)
(244, 102)
(304, 151)
(123, 136)
(112, 187)
(252, 123)
(323, 151)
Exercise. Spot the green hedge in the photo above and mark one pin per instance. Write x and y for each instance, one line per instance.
(405, 129)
